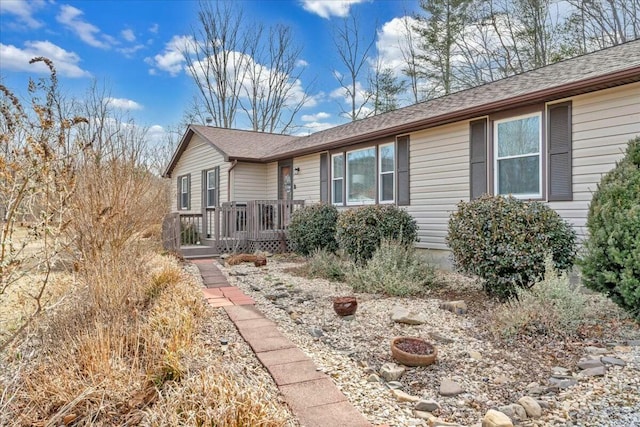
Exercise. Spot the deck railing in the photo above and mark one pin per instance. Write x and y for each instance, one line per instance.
(232, 224)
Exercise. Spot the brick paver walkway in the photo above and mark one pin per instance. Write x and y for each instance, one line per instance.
(311, 395)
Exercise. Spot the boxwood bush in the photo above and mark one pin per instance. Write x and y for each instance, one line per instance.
(504, 241)
(612, 261)
(360, 230)
(314, 227)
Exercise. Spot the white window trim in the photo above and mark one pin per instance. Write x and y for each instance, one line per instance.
(392, 172)
(212, 173)
(496, 158)
(184, 189)
(341, 179)
(358, 202)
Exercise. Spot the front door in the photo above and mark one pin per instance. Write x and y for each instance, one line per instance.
(285, 180)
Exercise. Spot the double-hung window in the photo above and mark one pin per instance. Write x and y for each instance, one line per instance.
(337, 179)
(387, 167)
(361, 176)
(518, 156)
(212, 187)
(184, 192)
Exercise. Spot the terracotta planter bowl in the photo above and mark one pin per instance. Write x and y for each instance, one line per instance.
(345, 306)
(413, 359)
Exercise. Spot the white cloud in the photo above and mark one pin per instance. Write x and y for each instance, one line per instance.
(301, 63)
(154, 28)
(312, 127)
(156, 134)
(392, 41)
(129, 51)
(171, 59)
(128, 35)
(71, 18)
(123, 103)
(24, 10)
(16, 59)
(327, 8)
(315, 117)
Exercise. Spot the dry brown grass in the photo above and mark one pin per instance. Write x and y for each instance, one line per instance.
(122, 351)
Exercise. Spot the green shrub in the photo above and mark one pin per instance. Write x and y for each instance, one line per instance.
(504, 241)
(361, 230)
(188, 234)
(314, 227)
(551, 306)
(395, 269)
(612, 261)
(325, 265)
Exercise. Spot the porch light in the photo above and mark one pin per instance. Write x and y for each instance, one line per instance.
(297, 171)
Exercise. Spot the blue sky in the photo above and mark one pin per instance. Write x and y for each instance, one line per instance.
(129, 47)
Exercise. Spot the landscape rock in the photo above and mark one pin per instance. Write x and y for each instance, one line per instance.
(596, 350)
(531, 406)
(394, 385)
(588, 364)
(514, 411)
(404, 397)
(562, 383)
(404, 315)
(424, 415)
(450, 388)
(373, 378)
(613, 361)
(633, 343)
(598, 371)
(316, 332)
(428, 405)
(391, 371)
(475, 355)
(457, 307)
(495, 418)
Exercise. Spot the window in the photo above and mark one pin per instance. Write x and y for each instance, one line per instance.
(183, 192)
(337, 178)
(361, 176)
(212, 187)
(387, 163)
(517, 163)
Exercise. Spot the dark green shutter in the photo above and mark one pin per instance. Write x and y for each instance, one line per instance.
(403, 192)
(324, 177)
(559, 146)
(478, 158)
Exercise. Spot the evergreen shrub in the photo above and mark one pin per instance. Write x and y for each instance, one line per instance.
(360, 230)
(612, 261)
(504, 241)
(314, 227)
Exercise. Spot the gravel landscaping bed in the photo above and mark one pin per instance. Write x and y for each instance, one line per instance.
(475, 371)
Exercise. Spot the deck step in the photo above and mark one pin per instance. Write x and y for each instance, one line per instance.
(194, 252)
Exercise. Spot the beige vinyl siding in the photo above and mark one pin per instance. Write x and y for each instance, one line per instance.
(439, 168)
(602, 123)
(272, 181)
(198, 156)
(307, 182)
(249, 182)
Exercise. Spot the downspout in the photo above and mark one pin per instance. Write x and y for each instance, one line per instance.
(233, 165)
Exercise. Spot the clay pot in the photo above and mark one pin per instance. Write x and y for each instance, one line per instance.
(412, 351)
(345, 306)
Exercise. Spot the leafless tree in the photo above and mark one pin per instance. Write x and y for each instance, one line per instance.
(353, 49)
(273, 92)
(596, 24)
(409, 50)
(238, 66)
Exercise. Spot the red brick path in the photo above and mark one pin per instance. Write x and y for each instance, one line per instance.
(312, 396)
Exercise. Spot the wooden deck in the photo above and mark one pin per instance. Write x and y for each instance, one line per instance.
(233, 227)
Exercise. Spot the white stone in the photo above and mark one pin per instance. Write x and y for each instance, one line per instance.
(404, 315)
(533, 408)
(391, 371)
(404, 397)
(450, 388)
(495, 418)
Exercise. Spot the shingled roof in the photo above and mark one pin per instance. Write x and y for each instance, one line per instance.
(598, 70)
